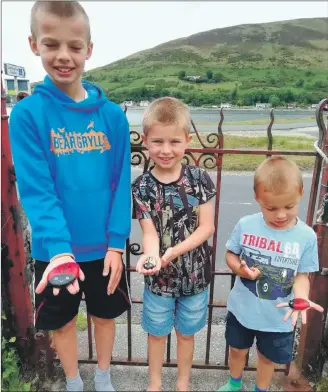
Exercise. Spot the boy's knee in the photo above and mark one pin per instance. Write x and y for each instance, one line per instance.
(155, 338)
(101, 322)
(67, 327)
(186, 338)
(238, 353)
(264, 359)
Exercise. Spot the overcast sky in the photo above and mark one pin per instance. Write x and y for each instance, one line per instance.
(121, 28)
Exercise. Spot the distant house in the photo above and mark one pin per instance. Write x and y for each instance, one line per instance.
(128, 103)
(263, 105)
(144, 103)
(291, 105)
(226, 106)
(192, 77)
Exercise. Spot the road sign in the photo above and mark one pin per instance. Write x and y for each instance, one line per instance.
(14, 70)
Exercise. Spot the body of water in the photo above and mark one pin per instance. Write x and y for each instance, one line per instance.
(206, 120)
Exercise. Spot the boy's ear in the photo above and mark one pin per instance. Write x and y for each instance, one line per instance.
(90, 50)
(33, 46)
(189, 138)
(144, 139)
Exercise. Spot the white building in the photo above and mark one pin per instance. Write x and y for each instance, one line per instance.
(263, 105)
(226, 106)
(13, 87)
(144, 104)
(192, 77)
(128, 103)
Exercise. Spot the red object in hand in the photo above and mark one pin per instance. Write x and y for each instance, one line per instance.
(63, 274)
(299, 304)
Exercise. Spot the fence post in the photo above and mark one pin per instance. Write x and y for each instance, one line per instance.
(310, 356)
(14, 282)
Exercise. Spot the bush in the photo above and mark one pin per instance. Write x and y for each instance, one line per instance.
(182, 75)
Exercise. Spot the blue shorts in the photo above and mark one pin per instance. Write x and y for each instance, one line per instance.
(275, 346)
(186, 313)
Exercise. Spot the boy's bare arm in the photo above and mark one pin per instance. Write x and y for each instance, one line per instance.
(150, 240)
(301, 286)
(203, 232)
(240, 268)
(150, 245)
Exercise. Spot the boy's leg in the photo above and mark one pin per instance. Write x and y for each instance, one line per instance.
(104, 337)
(264, 373)
(185, 354)
(65, 339)
(239, 339)
(272, 348)
(157, 320)
(237, 361)
(190, 318)
(156, 349)
(103, 309)
(58, 314)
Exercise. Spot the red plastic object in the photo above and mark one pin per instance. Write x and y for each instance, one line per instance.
(299, 304)
(63, 274)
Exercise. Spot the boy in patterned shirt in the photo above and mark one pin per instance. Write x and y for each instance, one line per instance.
(272, 253)
(173, 204)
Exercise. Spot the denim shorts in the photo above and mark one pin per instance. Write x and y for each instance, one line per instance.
(186, 313)
(275, 346)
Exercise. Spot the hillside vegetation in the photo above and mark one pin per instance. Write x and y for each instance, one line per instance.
(277, 62)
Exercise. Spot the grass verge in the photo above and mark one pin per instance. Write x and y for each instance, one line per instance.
(250, 162)
(81, 322)
(322, 385)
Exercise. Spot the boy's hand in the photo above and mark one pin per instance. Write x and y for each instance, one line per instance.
(295, 313)
(113, 261)
(72, 288)
(140, 265)
(168, 257)
(248, 273)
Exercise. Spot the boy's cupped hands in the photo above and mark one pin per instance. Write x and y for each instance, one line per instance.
(141, 262)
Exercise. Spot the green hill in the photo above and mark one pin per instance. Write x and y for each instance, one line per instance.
(280, 62)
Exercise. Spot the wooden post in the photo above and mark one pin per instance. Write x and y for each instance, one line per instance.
(310, 358)
(15, 286)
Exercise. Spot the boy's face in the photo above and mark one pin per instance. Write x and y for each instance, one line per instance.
(279, 210)
(62, 44)
(166, 145)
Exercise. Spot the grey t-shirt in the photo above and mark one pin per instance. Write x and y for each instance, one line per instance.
(279, 255)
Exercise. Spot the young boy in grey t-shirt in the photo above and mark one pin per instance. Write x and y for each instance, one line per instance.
(272, 253)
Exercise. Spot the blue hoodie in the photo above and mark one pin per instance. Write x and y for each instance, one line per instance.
(72, 163)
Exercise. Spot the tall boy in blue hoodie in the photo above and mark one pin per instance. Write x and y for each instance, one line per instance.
(71, 148)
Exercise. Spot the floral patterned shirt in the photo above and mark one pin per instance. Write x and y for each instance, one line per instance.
(174, 210)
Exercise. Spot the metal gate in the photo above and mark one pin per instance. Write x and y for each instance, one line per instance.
(211, 156)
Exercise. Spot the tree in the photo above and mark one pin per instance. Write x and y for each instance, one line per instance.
(218, 77)
(300, 83)
(209, 74)
(233, 95)
(181, 75)
(274, 100)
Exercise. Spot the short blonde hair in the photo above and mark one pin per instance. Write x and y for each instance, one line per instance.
(61, 8)
(167, 111)
(277, 174)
